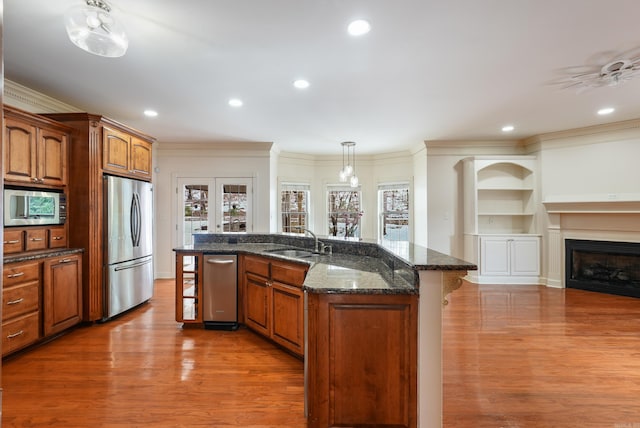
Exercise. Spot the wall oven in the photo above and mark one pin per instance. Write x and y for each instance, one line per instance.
(28, 207)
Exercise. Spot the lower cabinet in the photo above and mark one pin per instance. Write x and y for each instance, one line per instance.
(513, 259)
(40, 298)
(274, 300)
(362, 360)
(62, 297)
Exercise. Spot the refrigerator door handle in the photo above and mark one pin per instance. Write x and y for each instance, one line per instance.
(134, 265)
(135, 220)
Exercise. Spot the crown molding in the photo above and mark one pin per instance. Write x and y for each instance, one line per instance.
(17, 95)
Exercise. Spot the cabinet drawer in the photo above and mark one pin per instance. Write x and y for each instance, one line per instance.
(259, 266)
(19, 300)
(18, 273)
(20, 332)
(288, 273)
(36, 239)
(13, 241)
(57, 237)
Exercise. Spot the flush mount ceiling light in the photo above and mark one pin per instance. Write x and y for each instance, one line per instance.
(93, 28)
(301, 84)
(150, 113)
(605, 111)
(613, 73)
(359, 27)
(348, 171)
(508, 128)
(235, 102)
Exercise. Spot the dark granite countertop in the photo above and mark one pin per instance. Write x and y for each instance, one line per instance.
(37, 255)
(354, 267)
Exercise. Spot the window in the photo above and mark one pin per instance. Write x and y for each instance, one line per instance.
(344, 212)
(294, 206)
(394, 211)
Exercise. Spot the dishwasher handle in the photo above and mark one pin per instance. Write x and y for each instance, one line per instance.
(220, 262)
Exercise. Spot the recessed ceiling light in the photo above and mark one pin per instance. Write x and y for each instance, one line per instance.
(606, 110)
(150, 113)
(235, 102)
(359, 27)
(508, 128)
(301, 84)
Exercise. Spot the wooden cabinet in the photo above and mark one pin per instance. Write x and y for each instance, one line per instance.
(20, 306)
(40, 298)
(61, 293)
(125, 154)
(274, 300)
(36, 150)
(20, 239)
(500, 219)
(189, 287)
(100, 145)
(362, 359)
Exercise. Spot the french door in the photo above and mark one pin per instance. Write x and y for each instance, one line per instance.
(213, 204)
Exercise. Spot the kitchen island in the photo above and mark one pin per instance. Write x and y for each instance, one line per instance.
(373, 325)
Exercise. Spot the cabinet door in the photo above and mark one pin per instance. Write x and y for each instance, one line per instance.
(52, 158)
(36, 239)
(525, 256)
(141, 158)
(62, 295)
(257, 304)
(116, 151)
(13, 241)
(288, 313)
(57, 237)
(19, 151)
(494, 256)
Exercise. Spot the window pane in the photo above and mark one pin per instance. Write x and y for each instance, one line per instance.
(234, 207)
(344, 213)
(196, 212)
(294, 208)
(394, 213)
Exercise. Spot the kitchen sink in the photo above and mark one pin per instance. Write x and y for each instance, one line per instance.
(292, 252)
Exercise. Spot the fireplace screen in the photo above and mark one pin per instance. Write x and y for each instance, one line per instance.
(604, 266)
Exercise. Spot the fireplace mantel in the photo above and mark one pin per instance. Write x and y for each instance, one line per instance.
(611, 203)
(605, 217)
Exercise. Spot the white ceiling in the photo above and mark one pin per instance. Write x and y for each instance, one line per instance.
(428, 70)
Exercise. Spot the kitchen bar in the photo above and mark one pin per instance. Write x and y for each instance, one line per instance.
(359, 284)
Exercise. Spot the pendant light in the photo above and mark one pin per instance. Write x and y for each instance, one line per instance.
(94, 29)
(348, 171)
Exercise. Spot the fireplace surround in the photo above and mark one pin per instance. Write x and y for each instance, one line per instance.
(603, 266)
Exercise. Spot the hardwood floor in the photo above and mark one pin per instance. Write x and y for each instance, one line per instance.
(514, 356)
(530, 356)
(144, 370)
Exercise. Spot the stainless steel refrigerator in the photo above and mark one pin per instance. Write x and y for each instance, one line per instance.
(128, 244)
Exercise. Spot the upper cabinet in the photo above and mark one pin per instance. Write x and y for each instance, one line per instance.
(35, 150)
(125, 154)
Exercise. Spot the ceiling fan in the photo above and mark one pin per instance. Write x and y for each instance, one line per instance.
(613, 73)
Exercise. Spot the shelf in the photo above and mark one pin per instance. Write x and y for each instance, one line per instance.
(507, 214)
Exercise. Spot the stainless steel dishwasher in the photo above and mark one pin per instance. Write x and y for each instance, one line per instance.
(220, 292)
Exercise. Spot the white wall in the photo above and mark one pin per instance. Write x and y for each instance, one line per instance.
(213, 160)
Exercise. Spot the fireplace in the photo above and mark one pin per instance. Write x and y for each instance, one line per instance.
(603, 266)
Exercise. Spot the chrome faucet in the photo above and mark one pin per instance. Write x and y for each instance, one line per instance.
(316, 247)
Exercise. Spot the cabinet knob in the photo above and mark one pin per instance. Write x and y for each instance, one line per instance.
(15, 302)
(12, 241)
(57, 238)
(64, 261)
(36, 239)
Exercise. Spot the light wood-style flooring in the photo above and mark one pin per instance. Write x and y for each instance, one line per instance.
(514, 356)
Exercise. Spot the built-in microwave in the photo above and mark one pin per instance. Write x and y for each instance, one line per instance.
(26, 207)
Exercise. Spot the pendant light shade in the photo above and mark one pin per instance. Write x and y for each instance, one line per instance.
(92, 28)
(348, 171)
